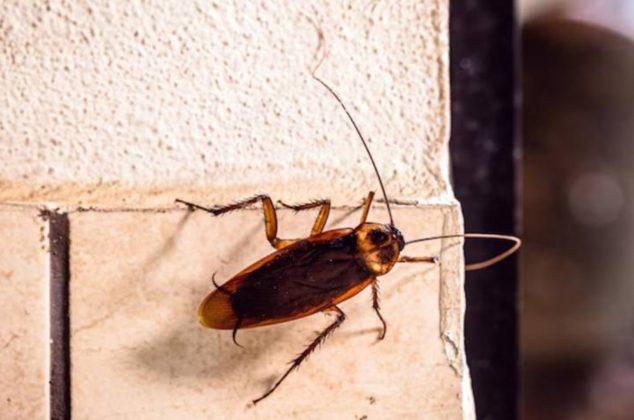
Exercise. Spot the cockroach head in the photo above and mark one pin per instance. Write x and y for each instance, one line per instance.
(379, 245)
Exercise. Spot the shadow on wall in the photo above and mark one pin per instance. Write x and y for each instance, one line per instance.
(578, 265)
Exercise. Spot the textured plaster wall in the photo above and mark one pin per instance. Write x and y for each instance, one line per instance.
(124, 106)
(105, 102)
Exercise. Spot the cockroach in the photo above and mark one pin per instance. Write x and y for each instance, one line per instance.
(315, 274)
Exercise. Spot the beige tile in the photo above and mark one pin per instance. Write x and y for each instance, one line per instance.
(24, 338)
(138, 351)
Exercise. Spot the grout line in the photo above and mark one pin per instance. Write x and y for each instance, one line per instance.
(59, 242)
(51, 208)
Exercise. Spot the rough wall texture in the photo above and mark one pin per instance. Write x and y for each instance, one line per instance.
(108, 101)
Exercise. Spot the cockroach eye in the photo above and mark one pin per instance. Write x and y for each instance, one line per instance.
(378, 236)
(398, 236)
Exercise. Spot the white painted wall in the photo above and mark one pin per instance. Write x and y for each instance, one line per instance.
(106, 101)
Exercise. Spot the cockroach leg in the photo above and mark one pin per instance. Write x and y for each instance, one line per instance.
(270, 217)
(341, 316)
(366, 207)
(192, 206)
(429, 260)
(235, 331)
(218, 210)
(221, 288)
(377, 307)
(322, 217)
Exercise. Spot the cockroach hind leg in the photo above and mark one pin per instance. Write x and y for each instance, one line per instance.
(321, 337)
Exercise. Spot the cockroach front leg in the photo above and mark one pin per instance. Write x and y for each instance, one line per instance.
(429, 260)
(322, 217)
(341, 316)
(270, 217)
(366, 207)
(377, 307)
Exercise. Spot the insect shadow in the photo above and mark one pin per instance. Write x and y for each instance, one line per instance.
(124, 288)
(186, 351)
(167, 247)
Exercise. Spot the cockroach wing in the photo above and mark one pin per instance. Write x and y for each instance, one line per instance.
(301, 279)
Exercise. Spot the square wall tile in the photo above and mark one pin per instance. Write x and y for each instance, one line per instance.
(24, 335)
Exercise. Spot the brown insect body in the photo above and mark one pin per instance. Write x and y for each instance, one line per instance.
(303, 278)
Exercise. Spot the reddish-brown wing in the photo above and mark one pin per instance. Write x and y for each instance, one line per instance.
(301, 279)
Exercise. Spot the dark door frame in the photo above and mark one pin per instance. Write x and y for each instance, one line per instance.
(485, 156)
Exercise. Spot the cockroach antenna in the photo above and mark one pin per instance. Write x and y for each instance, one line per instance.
(365, 144)
(517, 243)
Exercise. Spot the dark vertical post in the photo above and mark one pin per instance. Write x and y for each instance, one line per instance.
(60, 323)
(484, 152)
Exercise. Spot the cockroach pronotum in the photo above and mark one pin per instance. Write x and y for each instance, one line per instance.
(306, 276)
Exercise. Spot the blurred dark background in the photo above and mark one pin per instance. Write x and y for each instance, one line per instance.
(577, 266)
(485, 168)
(543, 146)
